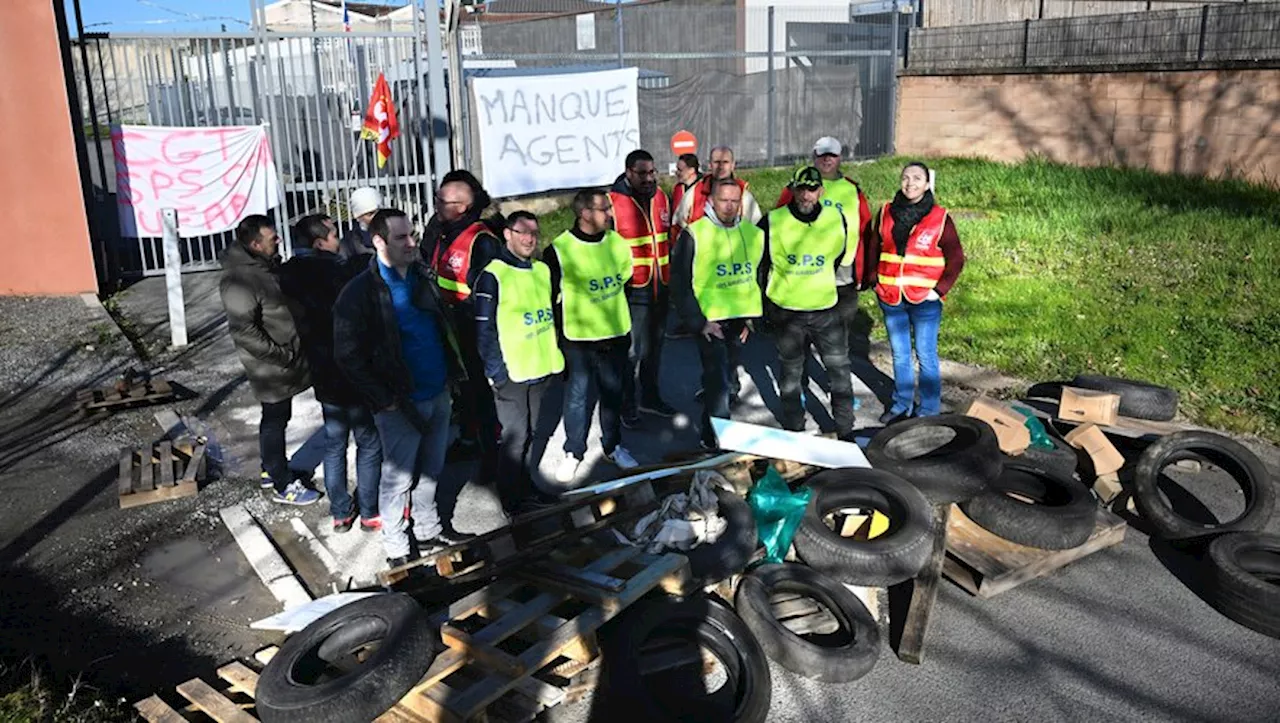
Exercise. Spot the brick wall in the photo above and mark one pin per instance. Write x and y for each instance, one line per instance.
(1202, 122)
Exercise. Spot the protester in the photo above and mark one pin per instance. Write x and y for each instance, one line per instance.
(693, 203)
(687, 173)
(363, 203)
(262, 326)
(804, 243)
(517, 340)
(715, 288)
(846, 196)
(920, 258)
(641, 216)
(457, 246)
(589, 266)
(393, 341)
(312, 279)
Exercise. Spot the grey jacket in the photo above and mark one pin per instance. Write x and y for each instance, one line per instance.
(262, 325)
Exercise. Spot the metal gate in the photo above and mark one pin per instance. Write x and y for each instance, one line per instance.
(309, 88)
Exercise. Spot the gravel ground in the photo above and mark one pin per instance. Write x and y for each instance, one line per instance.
(1118, 635)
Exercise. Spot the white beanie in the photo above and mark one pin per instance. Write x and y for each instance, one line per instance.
(363, 200)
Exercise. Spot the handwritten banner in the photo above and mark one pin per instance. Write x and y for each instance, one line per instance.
(212, 177)
(555, 131)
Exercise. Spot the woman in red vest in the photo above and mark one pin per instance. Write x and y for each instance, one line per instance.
(920, 259)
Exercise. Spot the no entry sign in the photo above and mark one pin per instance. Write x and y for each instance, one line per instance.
(683, 142)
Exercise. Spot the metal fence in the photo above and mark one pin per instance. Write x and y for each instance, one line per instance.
(765, 79)
(1210, 35)
(310, 89)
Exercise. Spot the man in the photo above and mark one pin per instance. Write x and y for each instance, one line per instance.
(688, 169)
(393, 341)
(590, 265)
(457, 247)
(262, 326)
(641, 216)
(364, 202)
(846, 196)
(693, 204)
(517, 339)
(312, 279)
(805, 242)
(714, 284)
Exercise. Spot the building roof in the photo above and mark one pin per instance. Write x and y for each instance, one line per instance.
(543, 7)
(373, 10)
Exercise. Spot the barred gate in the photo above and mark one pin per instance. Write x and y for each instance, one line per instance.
(309, 88)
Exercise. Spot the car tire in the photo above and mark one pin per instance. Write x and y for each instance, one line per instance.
(730, 553)
(840, 657)
(949, 457)
(1227, 454)
(1139, 400)
(1061, 515)
(897, 554)
(295, 686)
(625, 694)
(1244, 580)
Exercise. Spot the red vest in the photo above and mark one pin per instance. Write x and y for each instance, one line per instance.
(452, 263)
(701, 191)
(648, 235)
(915, 270)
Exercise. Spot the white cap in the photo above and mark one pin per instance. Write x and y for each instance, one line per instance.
(825, 145)
(363, 200)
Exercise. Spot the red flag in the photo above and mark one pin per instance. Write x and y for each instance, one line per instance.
(380, 123)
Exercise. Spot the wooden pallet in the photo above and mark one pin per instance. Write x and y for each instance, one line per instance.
(161, 471)
(121, 396)
(987, 565)
(514, 648)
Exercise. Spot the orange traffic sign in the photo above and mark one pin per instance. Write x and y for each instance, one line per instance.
(683, 142)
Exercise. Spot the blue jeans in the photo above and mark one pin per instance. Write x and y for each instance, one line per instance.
(412, 453)
(906, 324)
(605, 363)
(339, 423)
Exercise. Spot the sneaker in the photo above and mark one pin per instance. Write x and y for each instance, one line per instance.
(658, 408)
(296, 494)
(631, 421)
(622, 458)
(343, 524)
(568, 470)
(265, 481)
(892, 417)
(394, 562)
(371, 524)
(452, 537)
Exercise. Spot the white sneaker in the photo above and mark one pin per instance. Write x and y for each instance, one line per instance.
(568, 470)
(622, 458)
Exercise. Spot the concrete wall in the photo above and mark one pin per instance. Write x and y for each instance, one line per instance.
(1205, 122)
(45, 246)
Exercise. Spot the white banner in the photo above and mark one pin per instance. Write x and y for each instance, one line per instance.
(543, 132)
(212, 177)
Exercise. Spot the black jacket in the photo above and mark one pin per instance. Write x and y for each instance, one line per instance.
(313, 279)
(262, 325)
(355, 243)
(366, 337)
(440, 234)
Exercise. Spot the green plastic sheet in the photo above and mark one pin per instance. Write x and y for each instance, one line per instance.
(777, 512)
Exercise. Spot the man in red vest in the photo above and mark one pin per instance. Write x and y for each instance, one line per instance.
(642, 216)
(456, 247)
(693, 203)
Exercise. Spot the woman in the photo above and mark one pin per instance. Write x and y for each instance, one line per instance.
(920, 259)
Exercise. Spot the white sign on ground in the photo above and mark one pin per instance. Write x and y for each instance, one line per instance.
(211, 177)
(781, 444)
(544, 132)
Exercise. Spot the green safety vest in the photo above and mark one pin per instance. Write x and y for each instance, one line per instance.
(802, 259)
(725, 262)
(593, 277)
(843, 194)
(526, 326)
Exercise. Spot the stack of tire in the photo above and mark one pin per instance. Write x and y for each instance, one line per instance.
(1240, 563)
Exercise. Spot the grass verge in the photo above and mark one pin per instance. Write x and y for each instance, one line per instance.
(29, 696)
(1170, 279)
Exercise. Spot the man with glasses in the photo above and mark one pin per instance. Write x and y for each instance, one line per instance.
(517, 339)
(642, 215)
(590, 265)
(456, 246)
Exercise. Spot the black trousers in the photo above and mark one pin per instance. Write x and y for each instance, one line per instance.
(825, 330)
(857, 323)
(275, 418)
(719, 359)
(518, 404)
(476, 413)
(648, 329)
